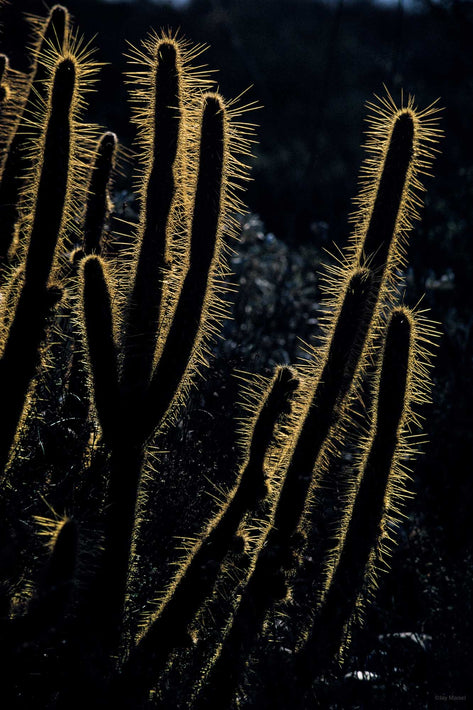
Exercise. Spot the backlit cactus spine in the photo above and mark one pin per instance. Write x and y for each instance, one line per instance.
(358, 290)
(145, 346)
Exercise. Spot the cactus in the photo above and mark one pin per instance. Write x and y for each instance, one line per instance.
(144, 328)
(98, 199)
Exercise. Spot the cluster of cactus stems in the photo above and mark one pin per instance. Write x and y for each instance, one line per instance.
(143, 324)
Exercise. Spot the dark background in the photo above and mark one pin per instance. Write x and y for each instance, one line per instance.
(313, 66)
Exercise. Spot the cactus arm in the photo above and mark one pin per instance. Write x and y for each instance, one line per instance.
(205, 242)
(45, 616)
(6, 114)
(102, 349)
(55, 586)
(11, 90)
(329, 395)
(26, 329)
(51, 32)
(76, 402)
(53, 179)
(4, 65)
(399, 151)
(97, 196)
(63, 559)
(384, 217)
(144, 307)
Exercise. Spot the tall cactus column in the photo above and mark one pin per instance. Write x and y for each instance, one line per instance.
(32, 306)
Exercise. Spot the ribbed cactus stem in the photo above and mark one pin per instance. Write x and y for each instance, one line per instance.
(98, 198)
(365, 524)
(384, 216)
(168, 630)
(206, 223)
(101, 345)
(12, 178)
(144, 306)
(26, 331)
